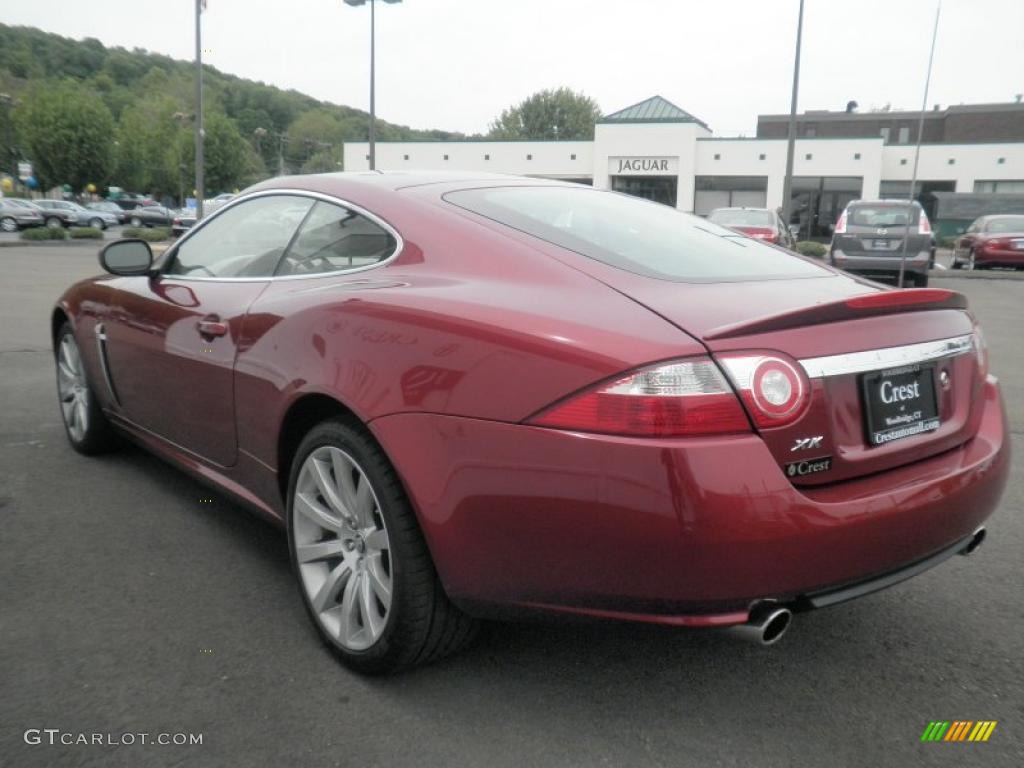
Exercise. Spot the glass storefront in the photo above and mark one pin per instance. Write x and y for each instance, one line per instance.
(817, 202)
(710, 192)
(660, 189)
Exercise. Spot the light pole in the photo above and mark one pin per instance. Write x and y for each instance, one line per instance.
(200, 192)
(787, 183)
(373, 111)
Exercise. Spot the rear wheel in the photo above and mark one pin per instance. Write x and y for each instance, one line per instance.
(97, 223)
(87, 428)
(54, 223)
(7, 224)
(364, 572)
(136, 221)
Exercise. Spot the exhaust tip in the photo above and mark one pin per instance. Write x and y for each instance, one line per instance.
(976, 541)
(766, 625)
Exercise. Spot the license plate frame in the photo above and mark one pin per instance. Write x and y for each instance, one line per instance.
(909, 406)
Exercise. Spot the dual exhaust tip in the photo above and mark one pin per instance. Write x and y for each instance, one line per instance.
(768, 622)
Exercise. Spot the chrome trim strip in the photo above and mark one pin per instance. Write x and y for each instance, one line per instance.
(172, 251)
(101, 346)
(890, 357)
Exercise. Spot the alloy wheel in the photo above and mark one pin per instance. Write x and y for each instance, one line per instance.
(8, 225)
(54, 223)
(73, 389)
(342, 549)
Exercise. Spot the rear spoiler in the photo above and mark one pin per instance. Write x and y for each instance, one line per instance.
(880, 303)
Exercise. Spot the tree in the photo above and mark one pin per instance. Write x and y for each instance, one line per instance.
(547, 115)
(310, 133)
(69, 134)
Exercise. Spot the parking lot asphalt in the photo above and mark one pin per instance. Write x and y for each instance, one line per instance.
(129, 604)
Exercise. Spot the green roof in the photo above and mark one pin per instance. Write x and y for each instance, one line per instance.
(652, 110)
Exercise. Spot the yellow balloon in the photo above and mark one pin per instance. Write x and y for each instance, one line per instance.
(90, 187)
(8, 185)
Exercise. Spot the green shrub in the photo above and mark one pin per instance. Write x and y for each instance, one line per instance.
(86, 233)
(150, 235)
(44, 233)
(811, 248)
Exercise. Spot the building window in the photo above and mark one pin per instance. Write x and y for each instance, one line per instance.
(904, 135)
(529, 157)
(1011, 186)
(446, 157)
(712, 192)
(856, 155)
(367, 157)
(903, 161)
(808, 156)
(761, 156)
(1001, 160)
(810, 130)
(951, 161)
(572, 157)
(405, 157)
(884, 133)
(487, 157)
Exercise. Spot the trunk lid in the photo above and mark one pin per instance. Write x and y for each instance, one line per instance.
(844, 334)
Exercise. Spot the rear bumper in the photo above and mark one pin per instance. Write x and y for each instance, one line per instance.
(880, 265)
(680, 532)
(1001, 256)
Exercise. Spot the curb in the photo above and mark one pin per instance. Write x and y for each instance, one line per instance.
(960, 274)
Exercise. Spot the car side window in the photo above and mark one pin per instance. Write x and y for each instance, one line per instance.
(334, 239)
(247, 240)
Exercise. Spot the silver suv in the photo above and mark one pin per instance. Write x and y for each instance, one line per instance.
(869, 240)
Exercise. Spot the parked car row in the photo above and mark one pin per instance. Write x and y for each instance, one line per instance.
(20, 213)
(991, 241)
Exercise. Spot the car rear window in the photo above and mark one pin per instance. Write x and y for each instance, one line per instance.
(1008, 224)
(634, 235)
(734, 217)
(882, 215)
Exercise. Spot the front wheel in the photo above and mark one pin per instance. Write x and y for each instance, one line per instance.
(97, 224)
(971, 264)
(7, 224)
(87, 428)
(364, 572)
(54, 223)
(136, 221)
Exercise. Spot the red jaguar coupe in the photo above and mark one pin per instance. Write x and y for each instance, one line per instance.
(481, 395)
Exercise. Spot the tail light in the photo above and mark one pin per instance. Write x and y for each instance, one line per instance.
(774, 388)
(177, 221)
(841, 225)
(981, 351)
(924, 227)
(679, 398)
(760, 233)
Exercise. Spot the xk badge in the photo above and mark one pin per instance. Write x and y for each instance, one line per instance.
(809, 467)
(807, 443)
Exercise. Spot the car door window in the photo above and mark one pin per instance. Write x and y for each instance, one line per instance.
(244, 241)
(333, 239)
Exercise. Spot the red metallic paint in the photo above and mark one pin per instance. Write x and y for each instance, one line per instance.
(475, 327)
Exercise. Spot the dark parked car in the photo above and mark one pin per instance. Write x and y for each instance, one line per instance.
(150, 216)
(759, 223)
(869, 240)
(108, 206)
(474, 395)
(991, 241)
(15, 215)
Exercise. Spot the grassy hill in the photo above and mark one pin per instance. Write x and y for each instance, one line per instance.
(254, 130)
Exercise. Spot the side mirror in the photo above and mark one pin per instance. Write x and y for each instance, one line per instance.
(127, 257)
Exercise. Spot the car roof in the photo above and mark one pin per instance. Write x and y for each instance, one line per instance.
(742, 208)
(395, 180)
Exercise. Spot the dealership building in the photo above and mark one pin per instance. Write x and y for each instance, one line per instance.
(657, 150)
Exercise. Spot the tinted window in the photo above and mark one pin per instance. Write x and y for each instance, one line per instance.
(333, 238)
(1006, 224)
(736, 217)
(634, 235)
(882, 215)
(245, 241)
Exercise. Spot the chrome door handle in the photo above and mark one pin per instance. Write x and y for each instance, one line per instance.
(210, 327)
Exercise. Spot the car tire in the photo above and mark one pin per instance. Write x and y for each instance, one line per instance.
(971, 265)
(369, 587)
(54, 223)
(136, 222)
(85, 424)
(97, 223)
(7, 224)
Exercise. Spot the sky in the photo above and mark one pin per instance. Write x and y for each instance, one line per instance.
(455, 64)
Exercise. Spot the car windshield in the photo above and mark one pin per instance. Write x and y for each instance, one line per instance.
(635, 235)
(1006, 224)
(882, 215)
(738, 217)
